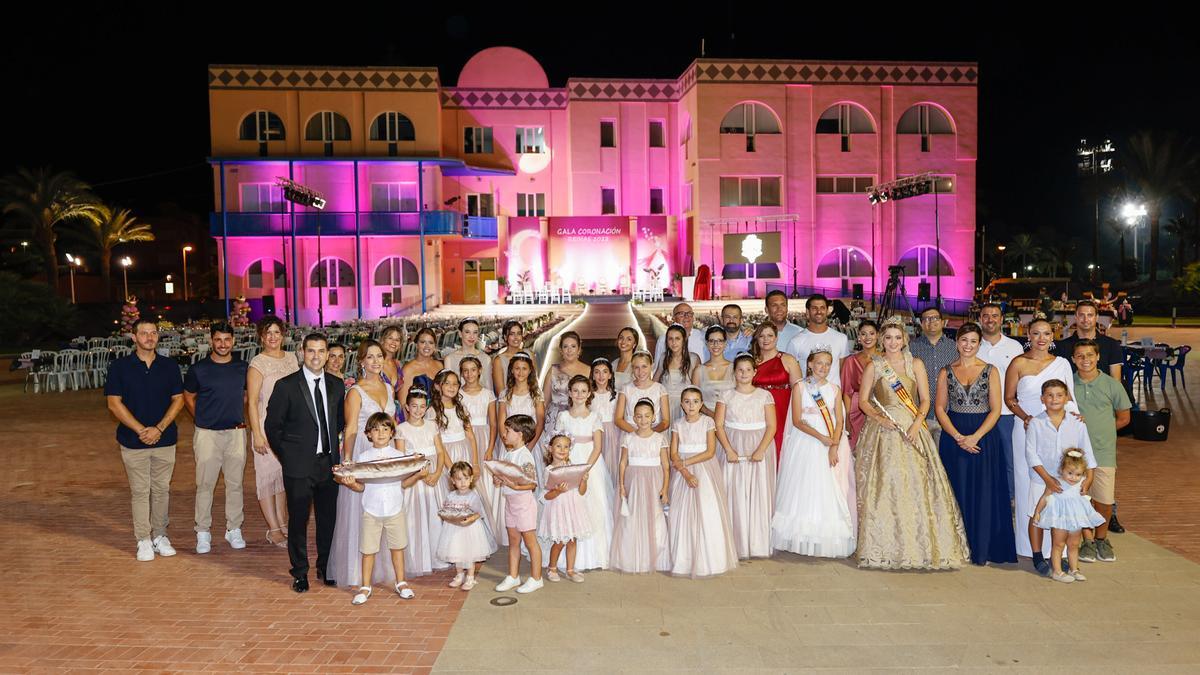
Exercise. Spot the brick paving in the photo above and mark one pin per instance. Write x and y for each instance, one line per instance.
(75, 598)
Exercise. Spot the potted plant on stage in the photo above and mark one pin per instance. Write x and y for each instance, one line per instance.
(502, 291)
(652, 276)
(677, 286)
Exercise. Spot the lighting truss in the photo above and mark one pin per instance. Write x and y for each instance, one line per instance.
(913, 186)
(297, 193)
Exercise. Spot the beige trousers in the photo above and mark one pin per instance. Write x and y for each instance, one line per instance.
(216, 452)
(149, 472)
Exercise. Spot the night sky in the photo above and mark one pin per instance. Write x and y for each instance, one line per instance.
(121, 98)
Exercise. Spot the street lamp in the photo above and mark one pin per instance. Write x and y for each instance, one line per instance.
(186, 249)
(125, 263)
(72, 262)
(1001, 248)
(1132, 212)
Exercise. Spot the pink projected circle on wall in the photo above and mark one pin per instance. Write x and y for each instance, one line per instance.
(525, 255)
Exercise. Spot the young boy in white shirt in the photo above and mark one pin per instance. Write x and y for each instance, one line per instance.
(1048, 435)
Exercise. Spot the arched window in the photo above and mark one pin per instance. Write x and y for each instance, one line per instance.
(923, 261)
(261, 126)
(259, 278)
(844, 262)
(396, 271)
(926, 120)
(327, 127)
(750, 119)
(332, 272)
(845, 119)
(392, 127)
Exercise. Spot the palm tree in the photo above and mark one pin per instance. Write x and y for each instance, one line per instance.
(115, 226)
(1161, 166)
(1179, 227)
(42, 199)
(1023, 245)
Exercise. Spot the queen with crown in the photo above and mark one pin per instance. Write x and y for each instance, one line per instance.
(908, 517)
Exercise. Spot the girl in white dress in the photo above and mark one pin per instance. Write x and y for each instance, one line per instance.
(640, 542)
(1023, 394)
(642, 387)
(521, 396)
(468, 330)
(583, 426)
(424, 499)
(1066, 514)
(465, 543)
(622, 368)
(564, 520)
(453, 420)
(812, 503)
(604, 402)
(481, 406)
(700, 532)
(676, 369)
(716, 376)
(746, 429)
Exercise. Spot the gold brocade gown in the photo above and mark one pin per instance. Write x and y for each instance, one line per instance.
(908, 517)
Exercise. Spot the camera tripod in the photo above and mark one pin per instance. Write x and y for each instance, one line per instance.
(893, 293)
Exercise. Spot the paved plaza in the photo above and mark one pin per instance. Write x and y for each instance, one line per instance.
(74, 598)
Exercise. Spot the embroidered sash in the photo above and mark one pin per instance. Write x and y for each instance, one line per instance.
(815, 392)
(893, 380)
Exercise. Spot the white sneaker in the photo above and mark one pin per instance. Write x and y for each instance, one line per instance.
(145, 550)
(234, 537)
(508, 584)
(203, 542)
(531, 585)
(162, 546)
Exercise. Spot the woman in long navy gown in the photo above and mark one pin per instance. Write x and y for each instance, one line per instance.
(969, 402)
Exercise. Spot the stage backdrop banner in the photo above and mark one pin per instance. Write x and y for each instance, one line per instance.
(589, 254)
(653, 267)
(752, 247)
(526, 270)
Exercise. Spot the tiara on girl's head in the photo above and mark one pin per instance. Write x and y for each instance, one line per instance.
(601, 359)
(1075, 453)
(894, 320)
(444, 370)
(674, 324)
(417, 390)
(522, 355)
(642, 351)
(821, 349)
(467, 320)
(645, 400)
(741, 354)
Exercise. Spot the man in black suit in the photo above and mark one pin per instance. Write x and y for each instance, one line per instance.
(304, 418)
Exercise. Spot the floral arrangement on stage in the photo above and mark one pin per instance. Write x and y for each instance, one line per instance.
(129, 315)
(239, 317)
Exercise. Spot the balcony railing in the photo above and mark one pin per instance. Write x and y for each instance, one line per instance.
(339, 223)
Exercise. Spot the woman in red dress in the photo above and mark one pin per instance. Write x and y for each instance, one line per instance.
(777, 372)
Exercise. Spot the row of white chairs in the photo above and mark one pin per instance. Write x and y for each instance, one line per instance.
(544, 296)
(70, 368)
(648, 294)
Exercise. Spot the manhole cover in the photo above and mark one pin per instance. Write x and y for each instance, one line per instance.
(503, 601)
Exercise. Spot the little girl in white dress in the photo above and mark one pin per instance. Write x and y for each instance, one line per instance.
(464, 541)
(1066, 514)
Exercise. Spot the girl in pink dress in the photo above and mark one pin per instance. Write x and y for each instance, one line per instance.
(424, 499)
(700, 532)
(640, 544)
(565, 517)
(746, 429)
(604, 402)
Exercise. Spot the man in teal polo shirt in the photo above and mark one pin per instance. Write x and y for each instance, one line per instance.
(1105, 406)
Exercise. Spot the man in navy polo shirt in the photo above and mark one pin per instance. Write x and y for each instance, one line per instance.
(145, 393)
(215, 392)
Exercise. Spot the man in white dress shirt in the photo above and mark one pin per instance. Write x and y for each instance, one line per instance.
(817, 333)
(684, 316)
(999, 350)
(777, 312)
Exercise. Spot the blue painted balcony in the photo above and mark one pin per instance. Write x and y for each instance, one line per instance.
(342, 223)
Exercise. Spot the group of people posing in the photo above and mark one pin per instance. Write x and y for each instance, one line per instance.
(725, 444)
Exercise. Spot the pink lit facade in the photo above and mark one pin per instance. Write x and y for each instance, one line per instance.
(586, 186)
